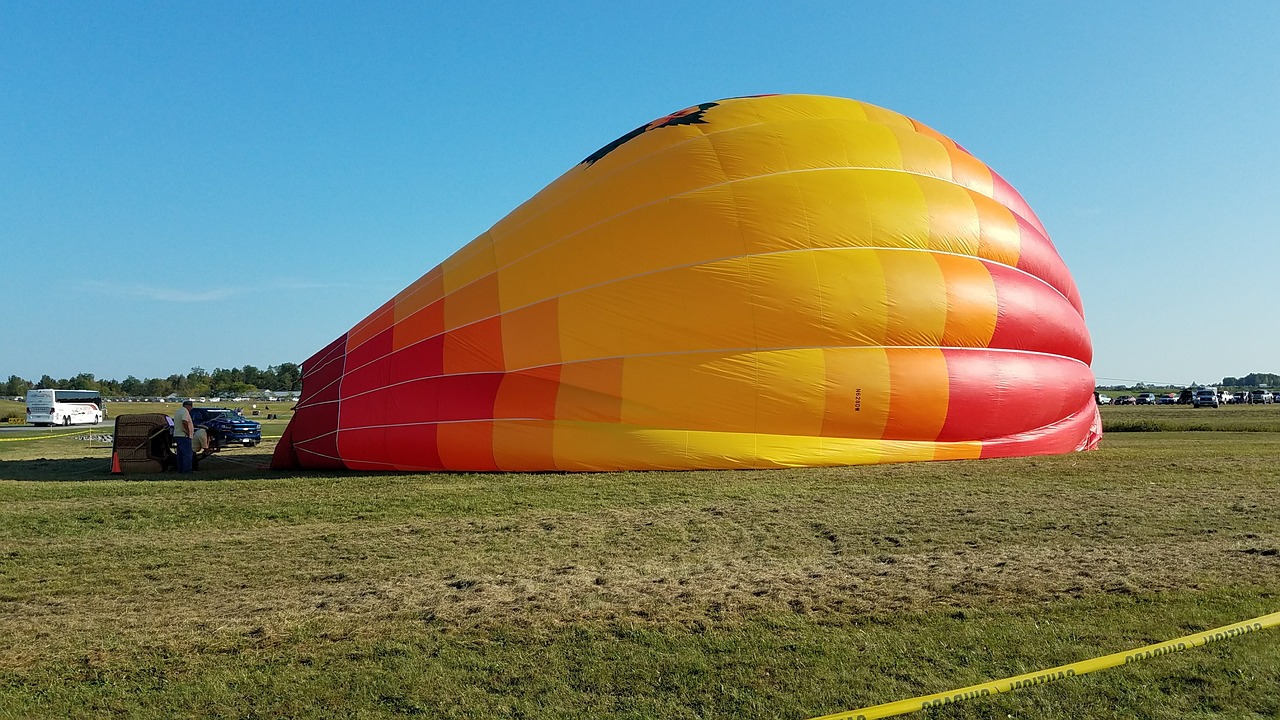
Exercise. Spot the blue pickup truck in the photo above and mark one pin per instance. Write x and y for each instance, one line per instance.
(227, 427)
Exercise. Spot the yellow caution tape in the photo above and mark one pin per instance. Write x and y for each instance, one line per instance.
(43, 437)
(1062, 672)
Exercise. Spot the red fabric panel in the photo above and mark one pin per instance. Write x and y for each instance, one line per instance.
(400, 447)
(284, 458)
(1075, 431)
(1010, 198)
(364, 448)
(1032, 316)
(320, 373)
(413, 447)
(367, 377)
(998, 394)
(1038, 256)
(310, 439)
(415, 402)
(468, 397)
(421, 360)
(371, 350)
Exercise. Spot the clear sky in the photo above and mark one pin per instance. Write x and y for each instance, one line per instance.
(220, 184)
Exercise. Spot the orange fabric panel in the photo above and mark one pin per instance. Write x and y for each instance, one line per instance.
(474, 348)
(376, 322)
(919, 385)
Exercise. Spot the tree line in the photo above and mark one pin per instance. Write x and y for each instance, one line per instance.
(197, 383)
(1253, 380)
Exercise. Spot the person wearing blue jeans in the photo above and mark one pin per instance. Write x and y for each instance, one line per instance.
(183, 430)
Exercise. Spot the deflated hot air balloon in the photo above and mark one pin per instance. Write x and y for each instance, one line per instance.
(785, 280)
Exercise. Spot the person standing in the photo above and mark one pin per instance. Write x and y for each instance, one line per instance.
(183, 430)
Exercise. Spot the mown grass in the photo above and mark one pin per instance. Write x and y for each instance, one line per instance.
(1184, 418)
(771, 594)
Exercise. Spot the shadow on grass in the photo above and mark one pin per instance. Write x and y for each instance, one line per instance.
(219, 466)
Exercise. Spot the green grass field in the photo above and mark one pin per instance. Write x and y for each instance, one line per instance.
(751, 594)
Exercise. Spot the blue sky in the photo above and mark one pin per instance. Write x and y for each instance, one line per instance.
(221, 184)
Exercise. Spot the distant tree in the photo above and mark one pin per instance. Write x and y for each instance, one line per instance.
(157, 387)
(1253, 380)
(16, 386)
(288, 377)
(83, 381)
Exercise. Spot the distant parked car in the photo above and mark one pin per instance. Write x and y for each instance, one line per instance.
(1205, 398)
(1169, 399)
(1126, 400)
(1102, 399)
(1239, 398)
(1259, 397)
(1146, 399)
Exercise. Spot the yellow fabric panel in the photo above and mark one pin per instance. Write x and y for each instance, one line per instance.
(531, 336)
(690, 228)
(770, 216)
(785, 308)
(791, 387)
(972, 305)
(685, 308)
(590, 391)
(524, 445)
(957, 450)
(649, 144)
(704, 225)
(653, 314)
(854, 296)
(858, 392)
(593, 323)
(895, 451)
(750, 152)
(631, 244)
(835, 205)
(623, 187)
(657, 391)
(890, 118)
(531, 280)
(518, 240)
(1001, 239)
(971, 172)
(953, 219)
(472, 262)
(920, 390)
(899, 212)
(726, 390)
(824, 144)
(720, 311)
(690, 165)
(923, 155)
(584, 446)
(426, 290)
(472, 302)
(917, 298)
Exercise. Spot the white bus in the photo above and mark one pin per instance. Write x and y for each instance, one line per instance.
(64, 407)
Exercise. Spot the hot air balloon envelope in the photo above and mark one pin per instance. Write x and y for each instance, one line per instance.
(785, 280)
